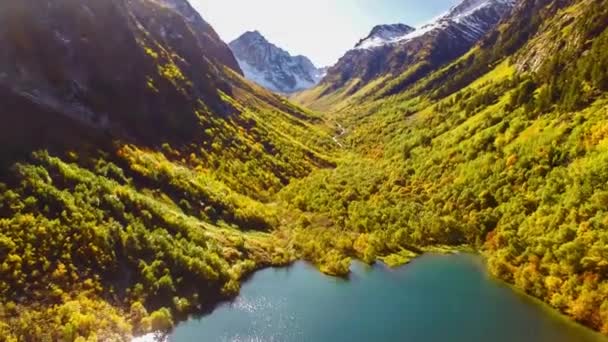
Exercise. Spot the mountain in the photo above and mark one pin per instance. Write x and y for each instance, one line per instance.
(126, 82)
(384, 34)
(377, 60)
(272, 67)
(502, 149)
(138, 168)
(143, 178)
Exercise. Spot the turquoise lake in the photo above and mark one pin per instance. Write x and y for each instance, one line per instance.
(435, 298)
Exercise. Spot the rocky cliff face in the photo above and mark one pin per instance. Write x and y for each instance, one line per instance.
(272, 67)
(139, 69)
(399, 48)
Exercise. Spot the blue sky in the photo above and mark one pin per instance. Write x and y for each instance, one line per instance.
(322, 30)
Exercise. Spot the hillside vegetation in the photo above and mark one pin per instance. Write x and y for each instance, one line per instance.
(98, 243)
(503, 150)
(139, 172)
(113, 232)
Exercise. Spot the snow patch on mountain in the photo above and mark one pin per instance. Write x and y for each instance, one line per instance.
(468, 7)
(466, 15)
(267, 79)
(272, 67)
(383, 35)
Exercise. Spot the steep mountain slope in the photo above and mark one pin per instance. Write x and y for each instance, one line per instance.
(383, 35)
(113, 87)
(139, 168)
(146, 177)
(408, 57)
(504, 150)
(272, 67)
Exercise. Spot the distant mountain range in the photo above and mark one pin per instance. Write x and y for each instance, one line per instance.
(389, 49)
(272, 67)
(393, 49)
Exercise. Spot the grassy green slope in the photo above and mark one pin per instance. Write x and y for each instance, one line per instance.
(500, 150)
(103, 243)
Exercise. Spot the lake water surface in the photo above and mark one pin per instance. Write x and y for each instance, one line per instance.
(435, 298)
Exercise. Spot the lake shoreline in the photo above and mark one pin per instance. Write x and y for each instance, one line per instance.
(549, 310)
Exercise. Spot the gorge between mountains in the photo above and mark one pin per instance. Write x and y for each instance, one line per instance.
(441, 183)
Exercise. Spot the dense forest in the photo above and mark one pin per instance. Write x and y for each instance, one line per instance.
(99, 245)
(123, 224)
(503, 151)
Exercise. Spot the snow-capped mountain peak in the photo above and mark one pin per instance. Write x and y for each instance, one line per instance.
(253, 37)
(391, 52)
(272, 67)
(469, 15)
(468, 7)
(384, 34)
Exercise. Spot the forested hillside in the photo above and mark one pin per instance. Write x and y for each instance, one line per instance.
(503, 149)
(139, 169)
(142, 178)
(394, 64)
